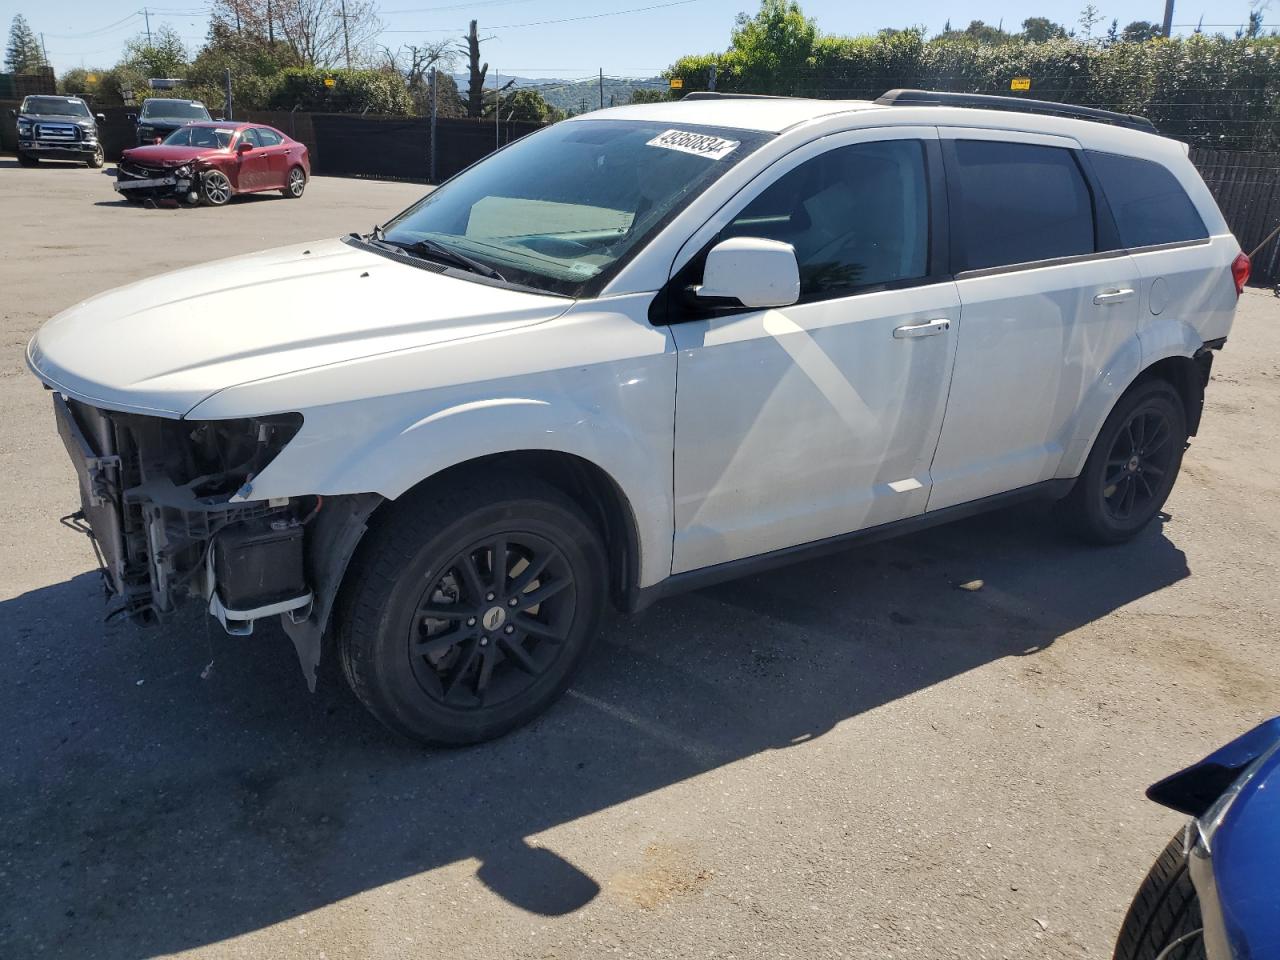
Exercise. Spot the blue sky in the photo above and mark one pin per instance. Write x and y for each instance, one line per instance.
(91, 32)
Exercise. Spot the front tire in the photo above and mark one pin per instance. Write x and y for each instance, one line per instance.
(215, 189)
(1165, 909)
(96, 159)
(1132, 466)
(471, 607)
(26, 160)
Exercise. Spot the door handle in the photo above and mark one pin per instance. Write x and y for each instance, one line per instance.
(1113, 296)
(927, 329)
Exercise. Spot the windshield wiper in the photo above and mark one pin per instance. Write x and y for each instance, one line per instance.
(431, 250)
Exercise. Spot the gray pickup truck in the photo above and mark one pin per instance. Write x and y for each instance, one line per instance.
(57, 128)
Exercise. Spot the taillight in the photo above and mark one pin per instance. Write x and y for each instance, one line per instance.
(1240, 271)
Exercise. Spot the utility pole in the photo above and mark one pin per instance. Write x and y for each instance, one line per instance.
(435, 100)
(147, 16)
(271, 26)
(226, 77)
(1167, 29)
(602, 88)
(44, 50)
(711, 78)
(346, 36)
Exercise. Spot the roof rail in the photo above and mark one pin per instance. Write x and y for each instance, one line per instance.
(714, 95)
(983, 101)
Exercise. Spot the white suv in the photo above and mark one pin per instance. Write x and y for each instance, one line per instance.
(640, 351)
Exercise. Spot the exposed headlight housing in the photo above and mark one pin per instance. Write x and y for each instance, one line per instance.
(183, 171)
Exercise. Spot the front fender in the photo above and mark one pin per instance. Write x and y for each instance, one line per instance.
(599, 384)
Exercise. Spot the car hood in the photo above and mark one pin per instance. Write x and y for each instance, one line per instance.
(55, 118)
(163, 345)
(163, 156)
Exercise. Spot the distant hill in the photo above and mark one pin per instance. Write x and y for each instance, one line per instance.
(575, 96)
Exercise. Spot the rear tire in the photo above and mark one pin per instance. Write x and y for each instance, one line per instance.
(1131, 468)
(26, 160)
(445, 644)
(296, 183)
(1165, 908)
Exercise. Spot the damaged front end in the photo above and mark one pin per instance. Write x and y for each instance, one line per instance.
(163, 502)
(137, 181)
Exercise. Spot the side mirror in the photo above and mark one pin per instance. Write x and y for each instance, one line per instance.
(100, 117)
(13, 113)
(756, 272)
(243, 146)
(131, 117)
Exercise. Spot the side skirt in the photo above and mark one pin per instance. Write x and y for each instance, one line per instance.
(641, 597)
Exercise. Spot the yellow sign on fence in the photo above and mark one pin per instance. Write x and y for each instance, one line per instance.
(677, 83)
(330, 82)
(1020, 83)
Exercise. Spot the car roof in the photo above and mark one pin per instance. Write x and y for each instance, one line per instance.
(767, 114)
(226, 124)
(779, 114)
(172, 100)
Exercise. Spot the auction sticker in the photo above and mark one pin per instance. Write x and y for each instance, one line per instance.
(701, 144)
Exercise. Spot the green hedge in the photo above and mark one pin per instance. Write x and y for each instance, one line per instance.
(372, 91)
(1210, 90)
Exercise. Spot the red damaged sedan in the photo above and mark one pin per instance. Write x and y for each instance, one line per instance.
(212, 162)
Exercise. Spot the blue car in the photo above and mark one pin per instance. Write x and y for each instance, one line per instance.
(1215, 891)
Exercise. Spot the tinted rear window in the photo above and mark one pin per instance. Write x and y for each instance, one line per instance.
(1017, 203)
(1148, 203)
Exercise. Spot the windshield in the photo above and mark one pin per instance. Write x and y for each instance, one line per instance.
(562, 208)
(54, 107)
(212, 137)
(174, 109)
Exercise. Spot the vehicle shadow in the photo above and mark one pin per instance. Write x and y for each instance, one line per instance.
(147, 810)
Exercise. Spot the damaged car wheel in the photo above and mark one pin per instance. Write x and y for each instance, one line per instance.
(471, 607)
(215, 189)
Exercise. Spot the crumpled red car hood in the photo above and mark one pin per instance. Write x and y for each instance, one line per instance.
(166, 156)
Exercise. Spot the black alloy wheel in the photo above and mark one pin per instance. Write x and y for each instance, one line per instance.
(1139, 461)
(469, 606)
(493, 622)
(1131, 470)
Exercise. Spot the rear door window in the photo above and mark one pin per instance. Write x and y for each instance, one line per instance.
(1148, 204)
(269, 138)
(1014, 203)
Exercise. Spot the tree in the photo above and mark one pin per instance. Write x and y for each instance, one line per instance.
(475, 72)
(1113, 33)
(23, 53)
(977, 31)
(1040, 29)
(164, 56)
(321, 33)
(415, 63)
(1090, 17)
(1140, 31)
(643, 95)
(527, 104)
(773, 48)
